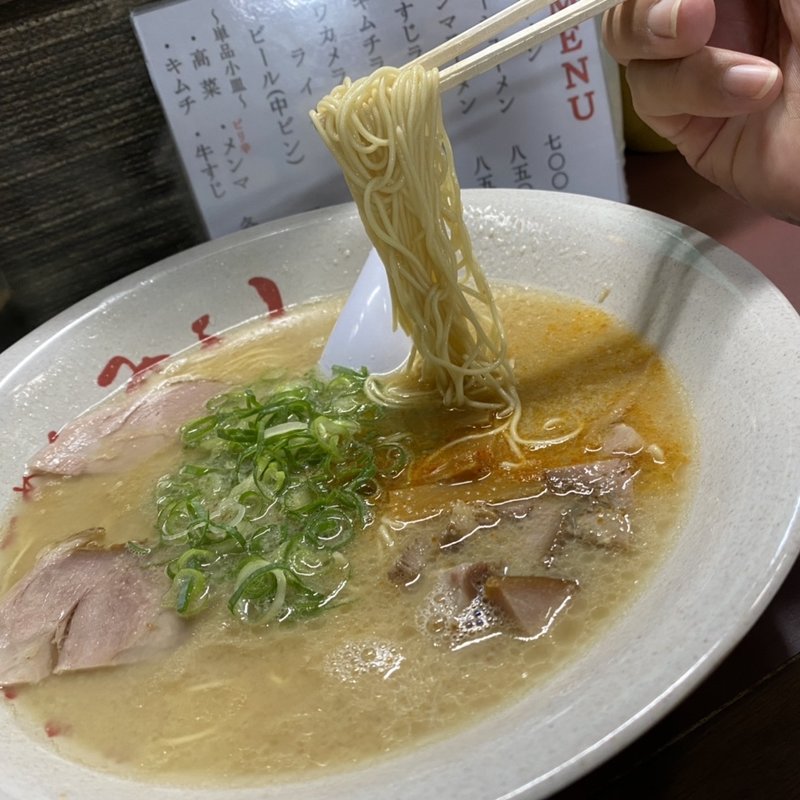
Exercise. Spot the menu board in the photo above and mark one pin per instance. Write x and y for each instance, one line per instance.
(237, 80)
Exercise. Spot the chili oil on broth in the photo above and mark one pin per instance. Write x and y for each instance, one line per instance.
(239, 704)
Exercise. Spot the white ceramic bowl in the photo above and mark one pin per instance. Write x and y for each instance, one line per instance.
(735, 342)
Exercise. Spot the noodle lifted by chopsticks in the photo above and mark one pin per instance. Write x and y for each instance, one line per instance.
(387, 133)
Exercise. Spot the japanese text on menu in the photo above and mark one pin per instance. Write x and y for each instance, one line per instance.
(237, 81)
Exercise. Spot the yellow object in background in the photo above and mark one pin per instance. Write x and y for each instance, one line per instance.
(639, 137)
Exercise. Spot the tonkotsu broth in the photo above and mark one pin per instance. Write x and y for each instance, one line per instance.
(238, 704)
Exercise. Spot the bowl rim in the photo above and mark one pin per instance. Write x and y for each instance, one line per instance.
(741, 278)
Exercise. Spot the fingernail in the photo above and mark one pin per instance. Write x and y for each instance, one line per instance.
(750, 80)
(662, 19)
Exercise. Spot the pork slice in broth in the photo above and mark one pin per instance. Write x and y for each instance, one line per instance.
(478, 599)
(118, 436)
(423, 539)
(608, 476)
(602, 493)
(454, 611)
(507, 546)
(537, 523)
(530, 602)
(35, 612)
(409, 565)
(465, 582)
(121, 620)
(600, 523)
(83, 606)
(528, 525)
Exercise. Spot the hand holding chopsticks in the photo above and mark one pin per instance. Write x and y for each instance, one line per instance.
(507, 48)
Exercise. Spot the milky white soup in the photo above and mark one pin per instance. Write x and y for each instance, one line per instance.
(388, 666)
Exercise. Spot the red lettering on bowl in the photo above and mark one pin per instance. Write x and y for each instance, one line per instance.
(268, 291)
(26, 487)
(199, 327)
(110, 371)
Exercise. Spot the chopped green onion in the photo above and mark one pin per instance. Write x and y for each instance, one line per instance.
(190, 591)
(278, 479)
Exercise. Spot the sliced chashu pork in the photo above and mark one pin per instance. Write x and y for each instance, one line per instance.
(465, 597)
(543, 515)
(531, 602)
(608, 476)
(116, 436)
(601, 495)
(84, 606)
(588, 501)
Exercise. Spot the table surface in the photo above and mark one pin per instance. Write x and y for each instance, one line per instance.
(737, 735)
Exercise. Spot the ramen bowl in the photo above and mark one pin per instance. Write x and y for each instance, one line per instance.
(734, 342)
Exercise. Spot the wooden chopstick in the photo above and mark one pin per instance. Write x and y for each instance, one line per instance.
(480, 33)
(513, 45)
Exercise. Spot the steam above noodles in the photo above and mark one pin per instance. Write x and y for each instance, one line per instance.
(387, 133)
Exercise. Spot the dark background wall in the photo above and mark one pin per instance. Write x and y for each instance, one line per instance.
(90, 183)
